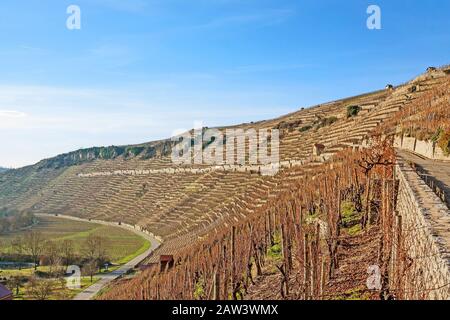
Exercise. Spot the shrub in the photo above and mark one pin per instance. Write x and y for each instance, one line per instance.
(327, 122)
(275, 251)
(133, 151)
(352, 111)
(349, 214)
(435, 137)
(356, 229)
(305, 128)
(199, 292)
(149, 153)
(444, 142)
(290, 126)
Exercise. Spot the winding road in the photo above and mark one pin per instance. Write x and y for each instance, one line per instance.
(90, 292)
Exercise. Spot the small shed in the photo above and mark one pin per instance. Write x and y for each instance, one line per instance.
(166, 262)
(318, 149)
(5, 293)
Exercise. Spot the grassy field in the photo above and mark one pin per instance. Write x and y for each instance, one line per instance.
(122, 245)
(59, 292)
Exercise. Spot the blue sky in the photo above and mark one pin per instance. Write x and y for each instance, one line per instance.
(140, 69)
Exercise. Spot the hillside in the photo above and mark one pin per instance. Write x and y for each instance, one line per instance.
(3, 169)
(360, 225)
(173, 205)
(193, 204)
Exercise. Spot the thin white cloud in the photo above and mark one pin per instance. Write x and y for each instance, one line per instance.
(11, 114)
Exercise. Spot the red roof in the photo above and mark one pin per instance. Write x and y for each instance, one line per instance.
(5, 293)
(166, 258)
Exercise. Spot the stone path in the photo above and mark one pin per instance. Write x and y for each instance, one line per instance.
(90, 292)
(439, 171)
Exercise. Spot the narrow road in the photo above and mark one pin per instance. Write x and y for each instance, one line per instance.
(438, 170)
(90, 292)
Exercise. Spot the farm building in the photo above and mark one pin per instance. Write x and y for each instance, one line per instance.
(318, 149)
(166, 262)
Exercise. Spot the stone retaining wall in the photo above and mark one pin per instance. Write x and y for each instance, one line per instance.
(427, 149)
(420, 265)
(261, 169)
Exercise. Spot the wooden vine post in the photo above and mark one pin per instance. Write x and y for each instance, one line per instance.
(233, 265)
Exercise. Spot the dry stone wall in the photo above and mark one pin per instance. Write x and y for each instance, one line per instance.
(420, 265)
(427, 149)
(262, 169)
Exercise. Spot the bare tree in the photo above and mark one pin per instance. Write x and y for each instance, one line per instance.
(52, 252)
(90, 269)
(67, 252)
(63, 294)
(33, 245)
(16, 282)
(94, 249)
(40, 289)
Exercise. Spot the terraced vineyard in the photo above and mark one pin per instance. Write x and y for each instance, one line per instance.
(195, 205)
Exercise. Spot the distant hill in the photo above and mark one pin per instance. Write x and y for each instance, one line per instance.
(3, 169)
